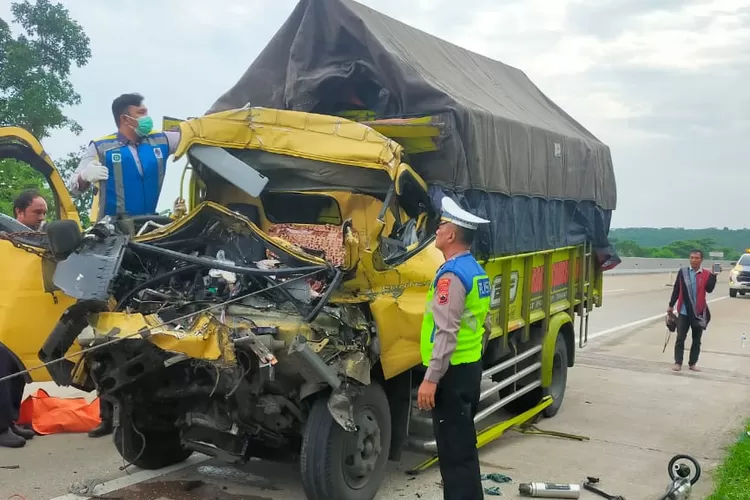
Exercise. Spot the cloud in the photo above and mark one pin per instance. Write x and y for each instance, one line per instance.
(663, 82)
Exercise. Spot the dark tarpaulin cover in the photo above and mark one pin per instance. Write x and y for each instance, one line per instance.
(510, 154)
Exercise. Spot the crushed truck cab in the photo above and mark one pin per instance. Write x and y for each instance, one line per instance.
(291, 292)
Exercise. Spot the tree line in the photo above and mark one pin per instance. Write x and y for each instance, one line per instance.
(35, 90)
(679, 249)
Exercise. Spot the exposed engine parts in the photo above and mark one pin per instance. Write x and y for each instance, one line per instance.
(235, 330)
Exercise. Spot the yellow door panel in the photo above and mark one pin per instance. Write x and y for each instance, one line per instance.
(28, 312)
(399, 305)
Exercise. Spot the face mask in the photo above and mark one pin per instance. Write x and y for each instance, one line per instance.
(144, 127)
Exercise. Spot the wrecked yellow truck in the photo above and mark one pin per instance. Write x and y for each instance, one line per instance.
(280, 317)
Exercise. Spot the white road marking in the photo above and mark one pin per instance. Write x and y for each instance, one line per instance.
(640, 322)
(135, 478)
(617, 290)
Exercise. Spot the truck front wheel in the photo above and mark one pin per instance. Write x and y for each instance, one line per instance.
(341, 465)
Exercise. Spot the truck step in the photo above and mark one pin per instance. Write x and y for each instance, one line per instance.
(428, 443)
(421, 436)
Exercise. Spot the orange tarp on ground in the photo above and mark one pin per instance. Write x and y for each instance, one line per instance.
(48, 415)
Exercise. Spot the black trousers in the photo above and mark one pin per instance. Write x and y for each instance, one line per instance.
(683, 325)
(106, 410)
(456, 401)
(11, 391)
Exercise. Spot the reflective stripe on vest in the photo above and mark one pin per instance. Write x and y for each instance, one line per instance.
(130, 190)
(477, 306)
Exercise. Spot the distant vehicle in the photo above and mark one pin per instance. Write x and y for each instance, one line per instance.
(739, 277)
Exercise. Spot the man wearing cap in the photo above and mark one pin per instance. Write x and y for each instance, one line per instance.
(455, 330)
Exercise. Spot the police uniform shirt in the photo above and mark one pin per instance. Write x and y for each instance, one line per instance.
(448, 306)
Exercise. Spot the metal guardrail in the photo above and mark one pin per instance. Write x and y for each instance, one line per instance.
(644, 265)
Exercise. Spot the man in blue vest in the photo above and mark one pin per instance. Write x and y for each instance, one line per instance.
(128, 166)
(455, 330)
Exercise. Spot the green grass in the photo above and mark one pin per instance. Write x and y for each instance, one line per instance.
(732, 478)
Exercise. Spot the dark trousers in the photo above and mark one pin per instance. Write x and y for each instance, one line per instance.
(683, 325)
(106, 410)
(11, 391)
(456, 402)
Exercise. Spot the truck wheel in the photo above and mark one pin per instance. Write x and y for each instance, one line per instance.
(341, 465)
(732, 293)
(559, 377)
(556, 388)
(162, 448)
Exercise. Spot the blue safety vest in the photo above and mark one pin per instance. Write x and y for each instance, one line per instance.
(129, 190)
(476, 307)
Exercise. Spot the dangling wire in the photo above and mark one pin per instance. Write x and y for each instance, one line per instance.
(160, 325)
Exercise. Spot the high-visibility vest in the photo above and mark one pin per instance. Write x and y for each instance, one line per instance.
(128, 190)
(477, 306)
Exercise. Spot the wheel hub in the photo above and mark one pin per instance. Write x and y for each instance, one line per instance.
(362, 450)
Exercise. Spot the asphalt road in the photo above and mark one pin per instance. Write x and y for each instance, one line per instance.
(621, 394)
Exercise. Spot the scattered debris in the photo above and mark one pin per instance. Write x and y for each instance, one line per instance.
(84, 488)
(9, 467)
(235, 475)
(497, 478)
(588, 485)
(192, 485)
(178, 490)
(549, 490)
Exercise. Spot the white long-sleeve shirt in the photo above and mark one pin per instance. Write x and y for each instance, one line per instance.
(77, 185)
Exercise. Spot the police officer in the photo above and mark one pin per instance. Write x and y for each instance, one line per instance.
(455, 329)
(128, 168)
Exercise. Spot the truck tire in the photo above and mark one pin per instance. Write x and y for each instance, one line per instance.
(339, 465)
(559, 377)
(556, 388)
(162, 448)
(732, 293)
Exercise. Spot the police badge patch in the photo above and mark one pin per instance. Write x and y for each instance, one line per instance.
(443, 285)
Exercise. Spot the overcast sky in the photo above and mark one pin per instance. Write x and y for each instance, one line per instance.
(665, 83)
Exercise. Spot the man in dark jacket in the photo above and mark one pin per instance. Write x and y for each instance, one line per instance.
(689, 293)
(11, 393)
